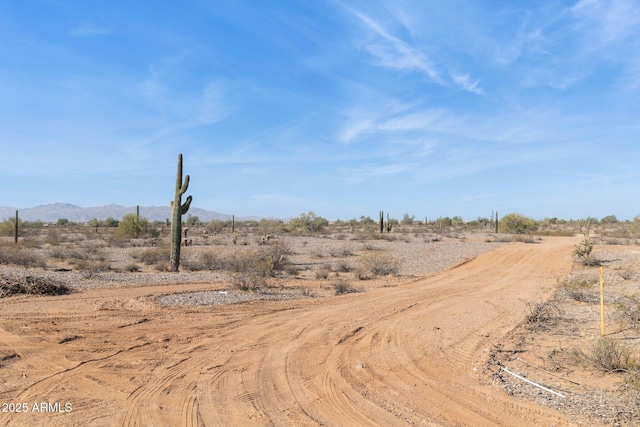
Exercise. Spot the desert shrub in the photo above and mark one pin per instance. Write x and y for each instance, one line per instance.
(360, 272)
(307, 223)
(216, 226)
(238, 261)
(608, 354)
(342, 267)
(266, 261)
(58, 252)
(132, 226)
(615, 241)
(30, 285)
(152, 256)
(189, 263)
(342, 287)
(379, 264)
(211, 260)
(517, 224)
(626, 272)
(31, 242)
(110, 222)
(323, 272)
(271, 226)
(634, 226)
(91, 266)
(406, 219)
(248, 281)
(132, 268)
(292, 270)
(369, 231)
(161, 267)
(273, 258)
(628, 310)
(542, 314)
(75, 253)
(7, 227)
(344, 251)
(17, 255)
(367, 246)
(317, 253)
(54, 238)
(582, 250)
(579, 288)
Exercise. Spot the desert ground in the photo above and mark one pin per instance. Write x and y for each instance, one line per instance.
(341, 327)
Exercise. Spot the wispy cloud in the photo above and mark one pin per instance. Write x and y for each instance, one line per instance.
(406, 54)
(467, 83)
(393, 52)
(607, 21)
(180, 107)
(371, 172)
(89, 29)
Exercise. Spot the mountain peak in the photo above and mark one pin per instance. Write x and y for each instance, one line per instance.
(55, 211)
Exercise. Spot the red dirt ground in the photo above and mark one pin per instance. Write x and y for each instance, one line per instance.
(411, 354)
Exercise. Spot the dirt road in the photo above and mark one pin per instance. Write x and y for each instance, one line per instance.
(412, 354)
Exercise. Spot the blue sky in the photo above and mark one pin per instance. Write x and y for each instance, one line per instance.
(344, 108)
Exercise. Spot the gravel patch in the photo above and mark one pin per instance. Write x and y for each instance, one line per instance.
(207, 298)
(418, 255)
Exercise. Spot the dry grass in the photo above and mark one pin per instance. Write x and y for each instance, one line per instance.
(18, 255)
(609, 354)
(580, 288)
(380, 264)
(152, 256)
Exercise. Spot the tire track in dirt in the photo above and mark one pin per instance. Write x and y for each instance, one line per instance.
(409, 354)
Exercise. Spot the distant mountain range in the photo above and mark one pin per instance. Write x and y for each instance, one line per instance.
(54, 212)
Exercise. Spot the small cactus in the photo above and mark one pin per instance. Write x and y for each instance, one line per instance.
(178, 210)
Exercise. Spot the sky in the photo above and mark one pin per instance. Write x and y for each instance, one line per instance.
(343, 108)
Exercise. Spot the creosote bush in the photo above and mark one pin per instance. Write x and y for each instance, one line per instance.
(133, 226)
(517, 224)
(307, 223)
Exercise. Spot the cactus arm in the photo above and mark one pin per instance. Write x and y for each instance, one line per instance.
(185, 206)
(183, 189)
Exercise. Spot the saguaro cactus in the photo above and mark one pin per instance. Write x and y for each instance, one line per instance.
(178, 210)
(15, 231)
